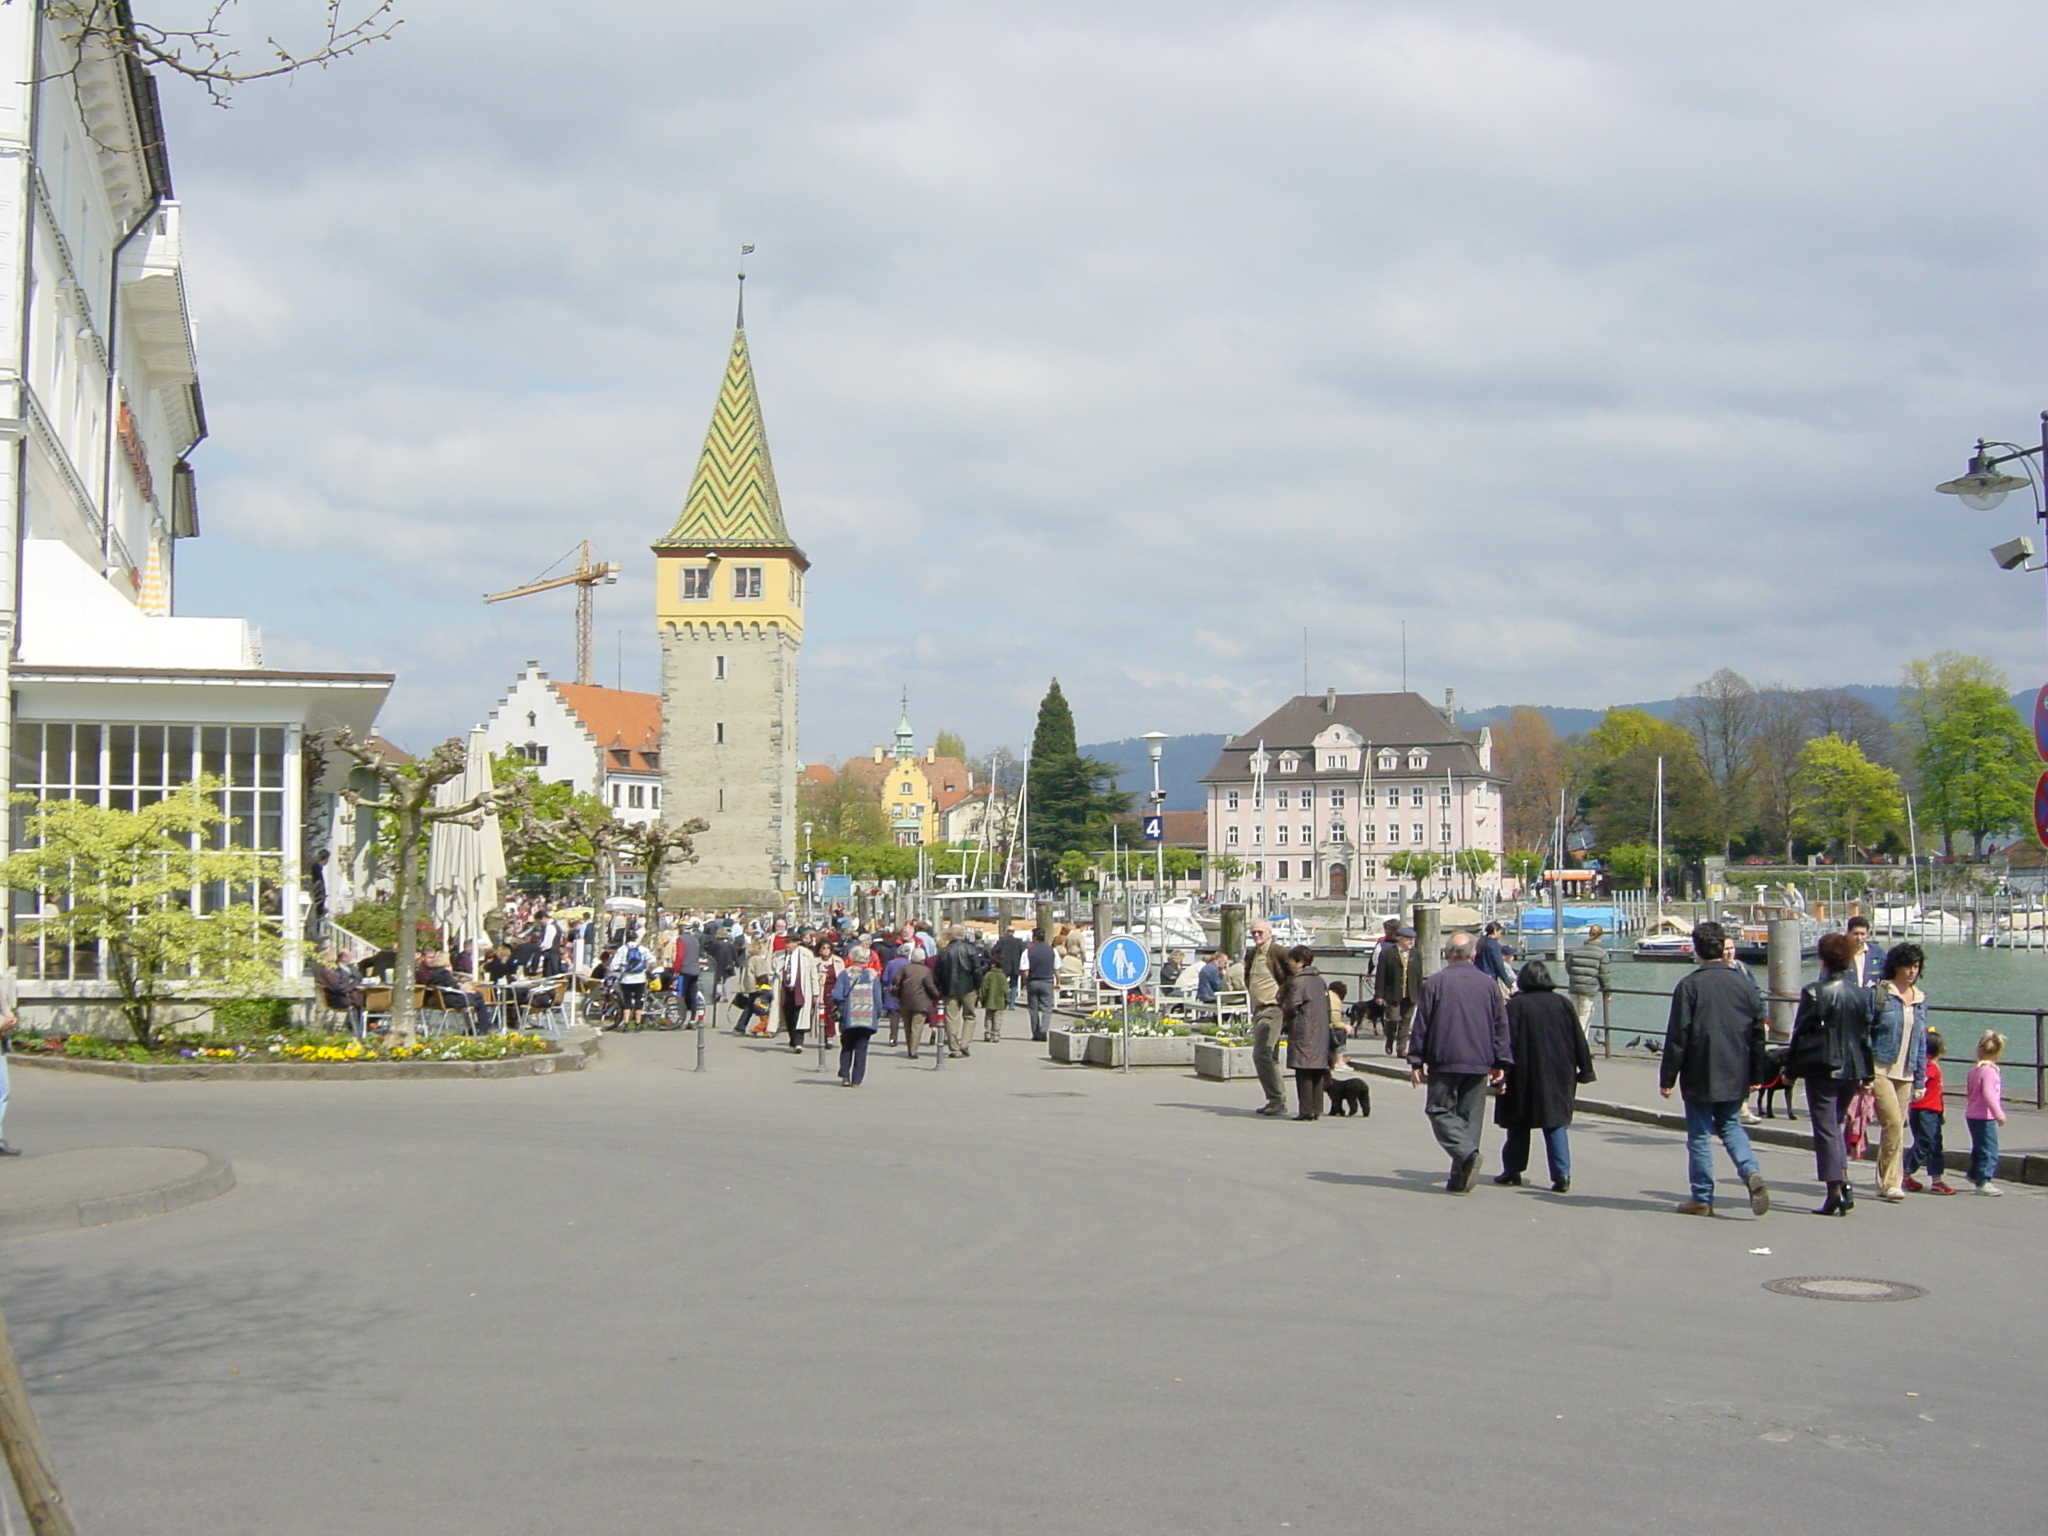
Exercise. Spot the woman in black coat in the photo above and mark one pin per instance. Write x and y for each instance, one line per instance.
(1305, 1026)
(1551, 1060)
(1831, 1049)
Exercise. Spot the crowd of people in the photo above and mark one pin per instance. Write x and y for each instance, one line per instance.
(1860, 1044)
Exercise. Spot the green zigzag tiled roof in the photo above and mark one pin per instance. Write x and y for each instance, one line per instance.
(733, 503)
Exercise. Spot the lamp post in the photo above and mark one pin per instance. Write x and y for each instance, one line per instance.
(810, 875)
(1983, 485)
(1155, 744)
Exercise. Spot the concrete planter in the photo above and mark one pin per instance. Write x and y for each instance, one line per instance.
(1068, 1045)
(1223, 1061)
(1146, 1051)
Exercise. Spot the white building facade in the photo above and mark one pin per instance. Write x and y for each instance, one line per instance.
(1313, 801)
(601, 741)
(110, 695)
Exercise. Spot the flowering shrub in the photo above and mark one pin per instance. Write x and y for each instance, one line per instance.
(1143, 1022)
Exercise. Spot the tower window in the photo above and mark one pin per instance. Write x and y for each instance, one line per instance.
(746, 581)
(535, 754)
(721, 799)
(721, 733)
(718, 669)
(532, 720)
(796, 587)
(696, 583)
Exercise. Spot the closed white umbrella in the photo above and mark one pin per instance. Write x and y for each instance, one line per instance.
(465, 864)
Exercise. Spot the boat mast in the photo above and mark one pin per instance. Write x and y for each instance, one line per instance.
(1660, 837)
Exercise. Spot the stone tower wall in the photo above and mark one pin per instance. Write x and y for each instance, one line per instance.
(755, 766)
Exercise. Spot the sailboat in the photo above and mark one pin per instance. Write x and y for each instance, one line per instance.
(1664, 936)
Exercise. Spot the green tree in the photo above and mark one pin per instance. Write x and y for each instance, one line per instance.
(1977, 764)
(1069, 797)
(950, 744)
(1412, 864)
(1619, 760)
(1474, 864)
(1525, 865)
(552, 831)
(1629, 864)
(867, 861)
(1842, 797)
(175, 917)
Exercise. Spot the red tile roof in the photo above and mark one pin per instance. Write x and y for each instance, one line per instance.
(619, 719)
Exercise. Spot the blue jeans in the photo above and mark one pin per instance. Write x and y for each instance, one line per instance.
(1557, 1148)
(1925, 1152)
(1983, 1151)
(1703, 1124)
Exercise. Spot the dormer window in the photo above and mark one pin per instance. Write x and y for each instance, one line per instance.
(1260, 763)
(1289, 762)
(1336, 762)
(1389, 762)
(1417, 761)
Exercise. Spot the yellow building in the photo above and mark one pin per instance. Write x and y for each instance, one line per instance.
(916, 791)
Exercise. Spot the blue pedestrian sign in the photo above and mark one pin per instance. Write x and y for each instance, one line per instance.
(1155, 829)
(1123, 963)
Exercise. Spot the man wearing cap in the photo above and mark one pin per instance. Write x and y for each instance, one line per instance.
(1393, 986)
(1585, 969)
(1265, 971)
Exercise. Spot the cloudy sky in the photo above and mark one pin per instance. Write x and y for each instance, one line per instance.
(1602, 344)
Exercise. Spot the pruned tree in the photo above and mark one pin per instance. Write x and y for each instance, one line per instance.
(651, 846)
(1412, 864)
(207, 52)
(407, 802)
(144, 889)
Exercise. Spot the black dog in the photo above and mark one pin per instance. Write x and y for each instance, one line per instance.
(1349, 1096)
(1767, 1091)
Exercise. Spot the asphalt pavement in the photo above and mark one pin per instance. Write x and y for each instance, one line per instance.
(1007, 1296)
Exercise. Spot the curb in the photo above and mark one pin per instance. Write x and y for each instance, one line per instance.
(573, 1057)
(2014, 1167)
(216, 1178)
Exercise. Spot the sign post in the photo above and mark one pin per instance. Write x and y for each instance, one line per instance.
(2041, 784)
(1123, 962)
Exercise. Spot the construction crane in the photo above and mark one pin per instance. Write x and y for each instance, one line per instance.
(584, 579)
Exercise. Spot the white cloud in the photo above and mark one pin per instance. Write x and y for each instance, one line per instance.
(1120, 341)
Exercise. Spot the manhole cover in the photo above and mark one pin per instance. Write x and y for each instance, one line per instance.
(1055, 1093)
(1844, 1288)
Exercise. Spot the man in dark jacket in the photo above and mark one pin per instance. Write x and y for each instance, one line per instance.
(1391, 986)
(687, 965)
(959, 969)
(1717, 1022)
(1459, 1044)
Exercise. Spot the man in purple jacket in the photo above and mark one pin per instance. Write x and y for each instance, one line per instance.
(1459, 1043)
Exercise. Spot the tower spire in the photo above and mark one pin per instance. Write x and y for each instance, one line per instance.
(906, 738)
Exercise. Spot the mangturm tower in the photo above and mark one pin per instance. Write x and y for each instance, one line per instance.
(729, 604)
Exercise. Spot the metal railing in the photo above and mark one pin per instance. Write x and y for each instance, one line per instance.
(2039, 1065)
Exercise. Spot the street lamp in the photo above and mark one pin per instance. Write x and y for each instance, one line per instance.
(1155, 743)
(1983, 486)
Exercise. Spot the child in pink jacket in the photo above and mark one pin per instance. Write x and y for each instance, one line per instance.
(1986, 1111)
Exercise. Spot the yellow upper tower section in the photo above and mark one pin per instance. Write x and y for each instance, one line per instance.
(729, 558)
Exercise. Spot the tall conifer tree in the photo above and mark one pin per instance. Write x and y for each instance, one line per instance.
(1069, 804)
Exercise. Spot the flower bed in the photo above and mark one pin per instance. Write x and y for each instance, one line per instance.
(297, 1045)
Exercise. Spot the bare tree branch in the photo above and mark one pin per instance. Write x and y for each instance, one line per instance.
(208, 54)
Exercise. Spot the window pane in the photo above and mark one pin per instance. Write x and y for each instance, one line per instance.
(28, 756)
(121, 754)
(270, 747)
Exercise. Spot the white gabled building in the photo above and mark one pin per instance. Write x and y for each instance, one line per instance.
(110, 694)
(1310, 802)
(603, 741)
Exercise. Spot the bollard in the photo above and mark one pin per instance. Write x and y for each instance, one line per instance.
(700, 1039)
(1427, 957)
(1782, 973)
(1101, 916)
(1232, 940)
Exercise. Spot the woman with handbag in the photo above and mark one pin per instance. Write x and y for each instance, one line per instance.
(1305, 1026)
(1831, 1050)
(1541, 1087)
